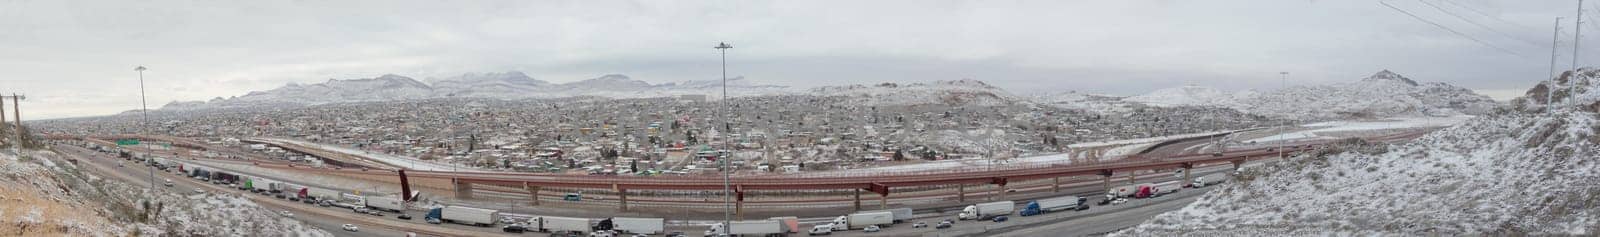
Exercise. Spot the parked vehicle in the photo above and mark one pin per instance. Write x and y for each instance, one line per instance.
(861, 220)
(1055, 204)
(647, 226)
(471, 216)
(986, 210)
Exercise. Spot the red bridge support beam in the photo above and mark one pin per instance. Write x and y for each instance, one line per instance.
(858, 200)
(883, 194)
(738, 203)
(1000, 188)
(622, 197)
(961, 192)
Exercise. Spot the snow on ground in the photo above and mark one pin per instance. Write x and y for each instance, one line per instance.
(398, 161)
(1324, 130)
(1145, 140)
(1517, 173)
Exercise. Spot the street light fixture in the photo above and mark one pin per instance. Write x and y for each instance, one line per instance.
(722, 114)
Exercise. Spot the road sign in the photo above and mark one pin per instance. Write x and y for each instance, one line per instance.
(127, 142)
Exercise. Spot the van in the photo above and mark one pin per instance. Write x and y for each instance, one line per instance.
(821, 229)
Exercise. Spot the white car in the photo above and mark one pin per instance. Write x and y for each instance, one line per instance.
(351, 228)
(169, 182)
(871, 228)
(286, 213)
(198, 191)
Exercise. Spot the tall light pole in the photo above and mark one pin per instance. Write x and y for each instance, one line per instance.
(145, 126)
(1283, 82)
(727, 195)
(1577, 34)
(1549, 90)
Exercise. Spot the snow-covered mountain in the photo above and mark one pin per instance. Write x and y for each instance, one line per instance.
(1086, 101)
(1384, 94)
(1520, 172)
(497, 85)
(382, 88)
(957, 92)
(505, 85)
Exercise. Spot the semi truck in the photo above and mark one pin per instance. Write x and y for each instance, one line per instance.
(861, 220)
(473, 216)
(748, 228)
(558, 224)
(901, 214)
(1124, 190)
(790, 223)
(1055, 204)
(434, 216)
(1208, 180)
(647, 226)
(385, 203)
(986, 210)
(1153, 190)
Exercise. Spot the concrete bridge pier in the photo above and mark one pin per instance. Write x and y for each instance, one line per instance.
(1106, 176)
(463, 189)
(1188, 171)
(622, 197)
(858, 199)
(533, 193)
(738, 204)
(961, 193)
(1056, 186)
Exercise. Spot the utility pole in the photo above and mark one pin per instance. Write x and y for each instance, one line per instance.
(1283, 82)
(1550, 88)
(144, 111)
(16, 108)
(727, 194)
(1577, 32)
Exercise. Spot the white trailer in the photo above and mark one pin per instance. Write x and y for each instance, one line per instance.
(385, 203)
(556, 223)
(901, 214)
(861, 220)
(470, 216)
(986, 210)
(1166, 187)
(756, 228)
(647, 226)
(322, 194)
(1208, 180)
(1059, 204)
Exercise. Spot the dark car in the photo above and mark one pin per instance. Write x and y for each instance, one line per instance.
(1001, 219)
(677, 234)
(514, 229)
(944, 225)
(404, 217)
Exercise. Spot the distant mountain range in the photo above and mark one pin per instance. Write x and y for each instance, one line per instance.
(504, 85)
(1383, 94)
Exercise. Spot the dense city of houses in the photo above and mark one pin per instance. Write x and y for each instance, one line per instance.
(672, 135)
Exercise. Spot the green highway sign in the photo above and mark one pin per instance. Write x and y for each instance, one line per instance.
(127, 142)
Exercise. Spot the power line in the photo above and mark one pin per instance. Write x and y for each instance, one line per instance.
(1481, 13)
(1458, 33)
(1470, 21)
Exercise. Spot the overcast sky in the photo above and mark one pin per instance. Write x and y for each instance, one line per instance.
(75, 58)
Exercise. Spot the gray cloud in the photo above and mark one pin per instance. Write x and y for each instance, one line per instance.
(75, 58)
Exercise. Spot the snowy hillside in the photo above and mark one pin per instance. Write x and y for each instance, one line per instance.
(1515, 172)
(1384, 94)
(382, 88)
(494, 85)
(1192, 96)
(46, 195)
(957, 92)
(1105, 104)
